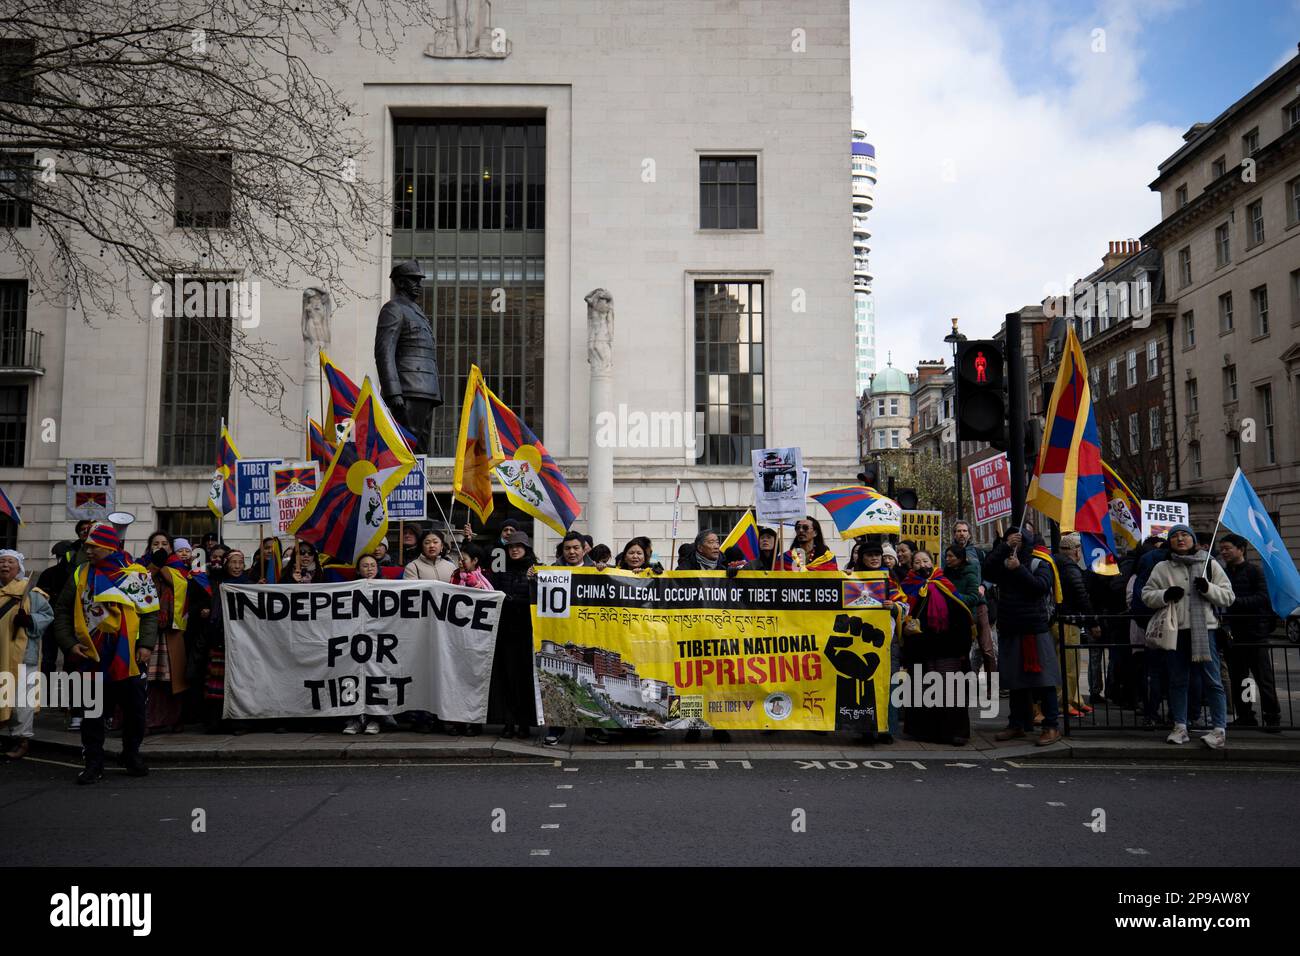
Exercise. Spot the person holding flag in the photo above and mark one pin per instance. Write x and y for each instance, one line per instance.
(809, 552)
(106, 620)
(745, 537)
(1250, 619)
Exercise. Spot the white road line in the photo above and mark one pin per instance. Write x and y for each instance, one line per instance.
(539, 852)
(561, 806)
(572, 769)
(549, 826)
(343, 763)
(1089, 765)
(564, 786)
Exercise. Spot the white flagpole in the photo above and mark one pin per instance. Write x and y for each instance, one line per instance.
(1219, 522)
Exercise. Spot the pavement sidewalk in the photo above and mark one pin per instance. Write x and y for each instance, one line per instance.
(1146, 746)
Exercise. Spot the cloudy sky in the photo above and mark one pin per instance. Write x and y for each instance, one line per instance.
(1011, 152)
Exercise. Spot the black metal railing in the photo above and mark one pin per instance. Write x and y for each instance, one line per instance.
(1128, 686)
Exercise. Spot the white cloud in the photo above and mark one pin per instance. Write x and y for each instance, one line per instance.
(1041, 180)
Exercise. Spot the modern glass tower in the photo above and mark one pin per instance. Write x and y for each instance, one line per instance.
(864, 307)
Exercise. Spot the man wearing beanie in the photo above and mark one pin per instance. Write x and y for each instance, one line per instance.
(1195, 587)
(106, 622)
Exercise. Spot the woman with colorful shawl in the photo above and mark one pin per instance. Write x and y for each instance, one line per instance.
(168, 681)
(936, 642)
(214, 684)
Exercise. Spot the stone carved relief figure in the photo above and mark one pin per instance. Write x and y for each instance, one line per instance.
(600, 330)
(466, 32)
(317, 310)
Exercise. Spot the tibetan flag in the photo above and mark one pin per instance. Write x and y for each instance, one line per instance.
(1069, 485)
(318, 449)
(858, 510)
(532, 480)
(478, 447)
(744, 536)
(344, 395)
(1245, 514)
(796, 560)
(221, 495)
(1125, 510)
(347, 517)
(9, 509)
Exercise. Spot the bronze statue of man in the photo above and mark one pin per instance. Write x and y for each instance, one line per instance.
(404, 355)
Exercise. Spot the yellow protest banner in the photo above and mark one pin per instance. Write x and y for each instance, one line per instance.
(695, 649)
(925, 528)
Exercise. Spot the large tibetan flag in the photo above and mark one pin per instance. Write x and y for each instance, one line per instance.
(344, 395)
(318, 448)
(1068, 485)
(347, 517)
(858, 510)
(1125, 510)
(478, 447)
(221, 494)
(1245, 514)
(9, 509)
(744, 536)
(532, 480)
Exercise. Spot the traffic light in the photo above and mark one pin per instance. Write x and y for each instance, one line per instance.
(870, 474)
(981, 392)
(907, 499)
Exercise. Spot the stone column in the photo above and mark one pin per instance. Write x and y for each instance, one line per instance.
(600, 458)
(317, 310)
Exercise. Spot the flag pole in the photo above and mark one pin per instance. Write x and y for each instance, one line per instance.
(454, 543)
(1219, 522)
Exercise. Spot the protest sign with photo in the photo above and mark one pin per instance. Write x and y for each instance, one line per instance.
(92, 489)
(688, 649)
(1159, 516)
(779, 484)
(359, 647)
(292, 486)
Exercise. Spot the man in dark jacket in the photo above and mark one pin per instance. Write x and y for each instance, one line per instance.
(1250, 619)
(1027, 661)
(68, 555)
(404, 356)
(1076, 604)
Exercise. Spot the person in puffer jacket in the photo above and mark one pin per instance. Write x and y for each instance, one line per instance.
(1195, 587)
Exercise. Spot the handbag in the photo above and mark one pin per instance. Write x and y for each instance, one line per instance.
(1162, 629)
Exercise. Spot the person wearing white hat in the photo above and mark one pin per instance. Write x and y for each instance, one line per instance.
(25, 613)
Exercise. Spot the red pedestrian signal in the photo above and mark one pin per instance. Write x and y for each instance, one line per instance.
(981, 395)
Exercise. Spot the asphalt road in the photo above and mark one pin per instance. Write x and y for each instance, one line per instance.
(661, 812)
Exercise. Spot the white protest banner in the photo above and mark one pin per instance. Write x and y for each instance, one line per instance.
(990, 488)
(359, 647)
(292, 486)
(1159, 516)
(409, 500)
(92, 489)
(778, 484)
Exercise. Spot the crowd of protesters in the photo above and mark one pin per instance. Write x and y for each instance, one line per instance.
(960, 610)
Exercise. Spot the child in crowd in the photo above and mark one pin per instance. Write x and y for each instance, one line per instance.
(469, 574)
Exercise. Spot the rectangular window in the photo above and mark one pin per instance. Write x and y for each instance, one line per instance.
(1112, 377)
(1189, 330)
(1153, 426)
(1293, 202)
(1222, 245)
(1134, 433)
(1185, 266)
(1295, 297)
(721, 520)
(1180, 196)
(1087, 326)
(893, 406)
(1124, 311)
(1259, 309)
(1193, 398)
(880, 408)
(1291, 115)
(1116, 449)
(188, 523)
(1153, 359)
(13, 425)
(1131, 368)
(469, 205)
(1158, 484)
(1234, 451)
(1229, 383)
(893, 438)
(1218, 167)
(1255, 223)
(13, 325)
(16, 190)
(1196, 460)
(729, 367)
(1225, 313)
(1094, 373)
(17, 78)
(203, 190)
(195, 386)
(1264, 398)
(728, 192)
(1250, 143)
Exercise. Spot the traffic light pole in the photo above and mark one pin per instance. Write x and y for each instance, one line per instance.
(1016, 414)
(956, 337)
